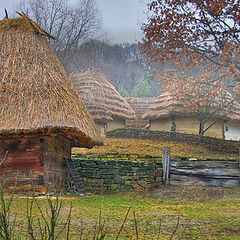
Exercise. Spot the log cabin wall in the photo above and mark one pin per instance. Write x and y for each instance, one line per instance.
(23, 165)
(37, 160)
(57, 148)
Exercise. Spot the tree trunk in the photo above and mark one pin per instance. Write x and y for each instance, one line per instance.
(201, 128)
(173, 127)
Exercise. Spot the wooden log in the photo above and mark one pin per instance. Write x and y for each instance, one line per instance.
(215, 173)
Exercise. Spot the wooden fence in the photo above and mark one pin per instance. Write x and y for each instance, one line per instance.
(208, 173)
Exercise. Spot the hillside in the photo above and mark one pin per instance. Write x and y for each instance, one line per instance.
(154, 148)
(122, 64)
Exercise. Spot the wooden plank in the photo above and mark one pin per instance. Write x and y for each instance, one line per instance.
(23, 154)
(55, 171)
(206, 164)
(21, 165)
(166, 165)
(189, 180)
(75, 175)
(215, 173)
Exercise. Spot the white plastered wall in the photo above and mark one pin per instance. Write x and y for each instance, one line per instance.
(232, 131)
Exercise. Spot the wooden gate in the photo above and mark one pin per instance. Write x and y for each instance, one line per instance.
(208, 173)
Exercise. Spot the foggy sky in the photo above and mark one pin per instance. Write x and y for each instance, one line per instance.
(122, 19)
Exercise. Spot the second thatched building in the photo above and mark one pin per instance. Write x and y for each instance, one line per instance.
(107, 107)
(169, 114)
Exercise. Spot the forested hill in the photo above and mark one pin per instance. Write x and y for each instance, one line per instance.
(78, 34)
(123, 65)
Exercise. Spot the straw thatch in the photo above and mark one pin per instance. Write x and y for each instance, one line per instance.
(140, 106)
(235, 115)
(101, 97)
(36, 94)
(166, 105)
(163, 106)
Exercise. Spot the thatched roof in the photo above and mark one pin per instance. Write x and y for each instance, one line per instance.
(166, 105)
(140, 106)
(101, 97)
(235, 115)
(163, 106)
(36, 94)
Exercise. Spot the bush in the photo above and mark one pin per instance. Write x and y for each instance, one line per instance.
(142, 89)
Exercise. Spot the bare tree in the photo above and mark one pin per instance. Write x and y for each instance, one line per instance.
(70, 25)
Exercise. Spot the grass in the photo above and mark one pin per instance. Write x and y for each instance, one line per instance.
(171, 212)
(154, 148)
(203, 213)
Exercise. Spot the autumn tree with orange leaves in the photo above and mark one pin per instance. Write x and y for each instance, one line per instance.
(199, 41)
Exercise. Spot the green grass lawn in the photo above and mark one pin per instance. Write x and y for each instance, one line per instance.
(199, 212)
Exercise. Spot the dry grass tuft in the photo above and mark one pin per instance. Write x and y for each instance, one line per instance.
(154, 148)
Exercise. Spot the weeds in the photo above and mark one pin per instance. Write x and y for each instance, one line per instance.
(99, 229)
(50, 222)
(6, 224)
(4, 158)
(123, 223)
(49, 219)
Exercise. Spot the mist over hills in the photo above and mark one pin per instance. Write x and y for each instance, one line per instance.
(122, 64)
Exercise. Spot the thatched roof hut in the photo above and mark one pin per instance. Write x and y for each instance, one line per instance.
(101, 97)
(41, 113)
(163, 106)
(140, 106)
(36, 93)
(166, 104)
(169, 114)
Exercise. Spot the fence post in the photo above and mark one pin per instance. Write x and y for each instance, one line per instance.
(166, 165)
(239, 159)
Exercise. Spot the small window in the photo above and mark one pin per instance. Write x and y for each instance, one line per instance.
(226, 128)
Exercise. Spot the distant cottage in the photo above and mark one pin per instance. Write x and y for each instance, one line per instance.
(139, 106)
(168, 114)
(107, 107)
(41, 113)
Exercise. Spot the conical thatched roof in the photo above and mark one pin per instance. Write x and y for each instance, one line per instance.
(166, 105)
(163, 106)
(36, 94)
(101, 97)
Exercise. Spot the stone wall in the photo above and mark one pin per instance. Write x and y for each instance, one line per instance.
(109, 176)
(213, 143)
(117, 156)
